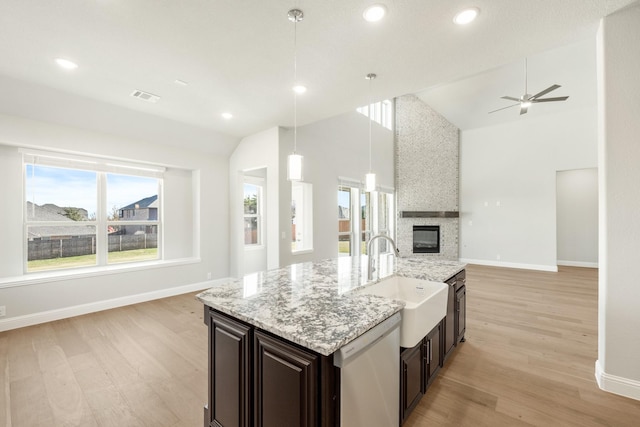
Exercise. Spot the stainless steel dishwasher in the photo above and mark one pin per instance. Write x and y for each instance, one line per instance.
(370, 377)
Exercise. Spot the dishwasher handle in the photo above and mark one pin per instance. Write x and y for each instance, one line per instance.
(366, 340)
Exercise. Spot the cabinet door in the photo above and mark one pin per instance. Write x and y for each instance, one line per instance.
(229, 372)
(461, 313)
(411, 378)
(450, 322)
(286, 390)
(432, 357)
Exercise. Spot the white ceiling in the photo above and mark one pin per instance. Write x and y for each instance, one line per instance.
(467, 102)
(237, 55)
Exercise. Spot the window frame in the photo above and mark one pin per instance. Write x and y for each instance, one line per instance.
(350, 233)
(102, 168)
(259, 184)
(305, 216)
(361, 234)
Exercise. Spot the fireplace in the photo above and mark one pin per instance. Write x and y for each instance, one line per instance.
(426, 239)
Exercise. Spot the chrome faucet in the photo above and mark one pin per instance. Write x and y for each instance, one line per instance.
(370, 257)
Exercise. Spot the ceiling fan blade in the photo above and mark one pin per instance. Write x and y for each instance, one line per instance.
(523, 109)
(511, 98)
(560, 98)
(504, 108)
(544, 92)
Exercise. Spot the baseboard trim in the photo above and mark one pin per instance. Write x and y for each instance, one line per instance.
(577, 264)
(552, 268)
(617, 385)
(78, 310)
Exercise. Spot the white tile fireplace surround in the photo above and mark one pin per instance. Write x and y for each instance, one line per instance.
(448, 237)
(427, 176)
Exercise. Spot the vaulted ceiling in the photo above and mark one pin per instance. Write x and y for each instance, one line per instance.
(237, 55)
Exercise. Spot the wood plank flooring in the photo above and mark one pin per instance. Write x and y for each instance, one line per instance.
(530, 355)
(528, 360)
(141, 365)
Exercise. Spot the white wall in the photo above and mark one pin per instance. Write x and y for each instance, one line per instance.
(332, 148)
(258, 151)
(196, 218)
(508, 186)
(617, 368)
(577, 217)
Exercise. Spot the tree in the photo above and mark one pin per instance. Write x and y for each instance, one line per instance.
(114, 215)
(251, 204)
(73, 214)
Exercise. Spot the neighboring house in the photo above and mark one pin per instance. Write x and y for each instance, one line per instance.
(51, 212)
(143, 210)
(343, 212)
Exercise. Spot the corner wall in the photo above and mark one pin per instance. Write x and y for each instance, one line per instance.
(196, 236)
(254, 152)
(427, 164)
(332, 148)
(617, 368)
(508, 186)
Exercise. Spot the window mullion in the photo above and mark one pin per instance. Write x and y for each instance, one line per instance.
(356, 222)
(102, 239)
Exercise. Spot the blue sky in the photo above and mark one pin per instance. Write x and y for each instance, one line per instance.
(77, 188)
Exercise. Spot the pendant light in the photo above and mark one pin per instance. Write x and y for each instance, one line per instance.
(294, 161)
(370, 178)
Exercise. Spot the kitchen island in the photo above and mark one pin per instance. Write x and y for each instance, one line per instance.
(272, 336)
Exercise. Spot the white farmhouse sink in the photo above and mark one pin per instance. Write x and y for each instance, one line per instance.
(425, 304)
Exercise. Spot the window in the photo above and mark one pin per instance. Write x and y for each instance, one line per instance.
(252, 214)
(301, 217)
(345, 233)
(85, 212)
(381, 112)
(374, 216)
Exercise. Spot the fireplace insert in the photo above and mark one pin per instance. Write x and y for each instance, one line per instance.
(426, 239)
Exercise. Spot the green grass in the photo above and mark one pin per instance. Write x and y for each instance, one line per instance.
(343, 247)
(89, 260)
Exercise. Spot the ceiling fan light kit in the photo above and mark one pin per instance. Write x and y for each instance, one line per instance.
(527, 99)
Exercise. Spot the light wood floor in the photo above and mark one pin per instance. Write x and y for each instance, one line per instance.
(528, 360)
(142, 365)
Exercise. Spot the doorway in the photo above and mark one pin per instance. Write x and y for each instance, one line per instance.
(577, 217)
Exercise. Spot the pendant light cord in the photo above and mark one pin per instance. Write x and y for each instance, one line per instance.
(370, 113)
(295, 82)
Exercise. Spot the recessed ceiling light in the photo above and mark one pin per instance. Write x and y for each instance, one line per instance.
(374, 13)
(466, 16)
(180, 82)
(227, 116)
(299, 89)
(66, 64)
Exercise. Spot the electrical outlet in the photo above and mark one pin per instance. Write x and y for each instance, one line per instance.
(498, 257)
(209, 276)
(3, 310)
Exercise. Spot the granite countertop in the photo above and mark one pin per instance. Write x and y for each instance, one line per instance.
(311, 304)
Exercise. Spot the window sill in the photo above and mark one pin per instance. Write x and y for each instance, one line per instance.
(253, 247)
(80, 273)
(302, 252)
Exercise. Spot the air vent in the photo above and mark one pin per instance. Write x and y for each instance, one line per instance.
(145, 96)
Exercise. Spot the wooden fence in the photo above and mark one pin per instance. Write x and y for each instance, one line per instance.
(86, 245)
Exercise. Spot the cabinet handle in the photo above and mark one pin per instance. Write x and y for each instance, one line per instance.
(430, 352)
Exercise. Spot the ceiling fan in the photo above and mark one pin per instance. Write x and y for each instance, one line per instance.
(526, 100)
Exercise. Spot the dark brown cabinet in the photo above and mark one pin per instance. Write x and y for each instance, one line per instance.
(257, 379)
(418, 368)
(461, 315)
(411, 379)
(230, 371)
(432, 354)
(455, 321)
(420, 365)
(286, 392)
